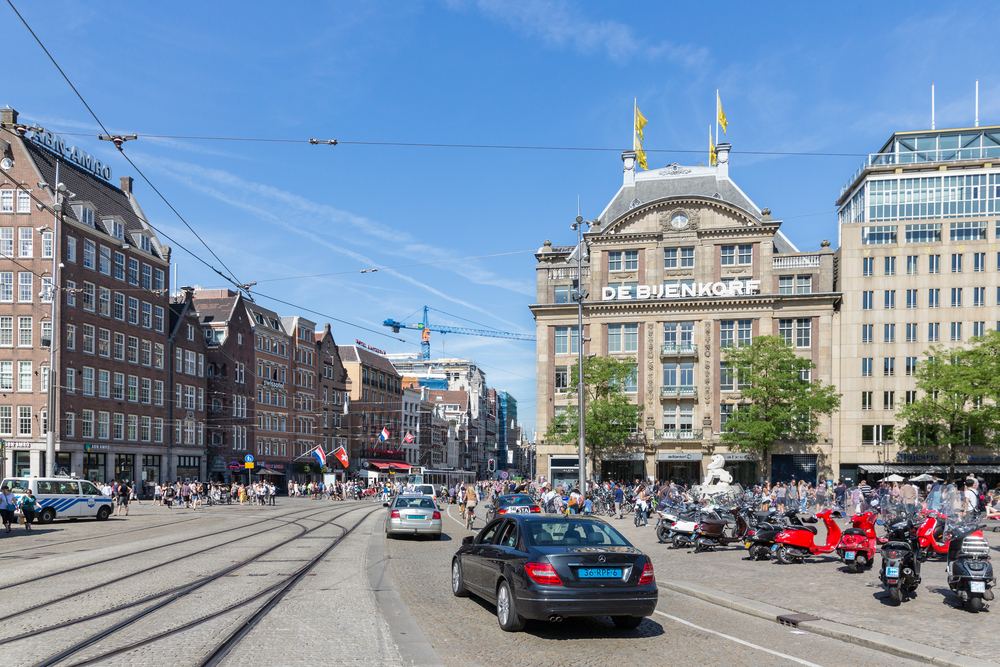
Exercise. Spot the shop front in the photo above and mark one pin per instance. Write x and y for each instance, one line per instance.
(22, 463)
(275, 472)
(564, 471)
(679, 467)
(744, 467)
(623, 467)
(151, 467)
(95, 463)
(124, 467)
(64, 462)
(786, 467)
(188, 468)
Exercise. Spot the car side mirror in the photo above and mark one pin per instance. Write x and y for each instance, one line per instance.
(468, 539)
(385, 504)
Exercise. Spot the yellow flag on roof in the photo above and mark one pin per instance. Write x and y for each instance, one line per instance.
(640, 122)
(720, 114)
(711, 148)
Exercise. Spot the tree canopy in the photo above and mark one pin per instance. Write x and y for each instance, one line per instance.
(779, 399)
(610, 414)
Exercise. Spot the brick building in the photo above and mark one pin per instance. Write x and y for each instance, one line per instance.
(187, 410)
(334, 388)
(272, 352)
(375, 404)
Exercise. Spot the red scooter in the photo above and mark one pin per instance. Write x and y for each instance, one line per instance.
(930, 534)
(859, 542)
(795, 543)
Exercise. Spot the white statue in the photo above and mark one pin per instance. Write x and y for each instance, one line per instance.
(717, 477)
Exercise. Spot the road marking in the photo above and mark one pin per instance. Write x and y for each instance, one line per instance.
(448, 510)
(740, 641)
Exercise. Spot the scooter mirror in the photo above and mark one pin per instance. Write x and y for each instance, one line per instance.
(879, 522)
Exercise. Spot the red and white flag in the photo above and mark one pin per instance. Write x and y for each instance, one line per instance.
(409, 437)
(341, 455)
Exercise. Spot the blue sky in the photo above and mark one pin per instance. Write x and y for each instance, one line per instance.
(794, 77)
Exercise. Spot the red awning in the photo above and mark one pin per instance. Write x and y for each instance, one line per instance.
(379, 464)
(401, 466)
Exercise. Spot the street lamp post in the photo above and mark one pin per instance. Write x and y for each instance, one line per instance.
(579, 296)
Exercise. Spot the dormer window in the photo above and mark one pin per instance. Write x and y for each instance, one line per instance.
(144, 243)
(115, 228)
(84, 214)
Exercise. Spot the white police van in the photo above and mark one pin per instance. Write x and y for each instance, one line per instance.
(62, 497)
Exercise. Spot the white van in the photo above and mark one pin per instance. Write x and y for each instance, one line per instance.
(62, 497)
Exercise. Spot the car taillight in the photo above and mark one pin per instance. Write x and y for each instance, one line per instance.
(394, 514)
(436, 516)
(647, 574)
(536, 508)
(543, 573)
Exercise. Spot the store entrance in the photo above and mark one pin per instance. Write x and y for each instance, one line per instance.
(679, 472)
(622, 471)
(785, 467)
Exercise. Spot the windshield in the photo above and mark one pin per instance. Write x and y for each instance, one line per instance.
(515, 500)
(573, 533)
(16, 485)
(415, 503)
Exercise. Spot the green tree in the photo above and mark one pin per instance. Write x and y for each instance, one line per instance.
(957, 405)
(779, 398)
(610, 415)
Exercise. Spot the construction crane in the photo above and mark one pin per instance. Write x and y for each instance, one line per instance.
(425, 328)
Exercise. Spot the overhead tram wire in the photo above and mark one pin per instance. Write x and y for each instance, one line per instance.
(232, 276)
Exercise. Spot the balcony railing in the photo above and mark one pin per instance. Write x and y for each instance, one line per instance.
(678, 392)
(676, 434)
(569, 272)
(676, 350)
(797, 262)
(919, 157)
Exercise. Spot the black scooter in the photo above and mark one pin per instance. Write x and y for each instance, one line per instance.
(970, 572)
(900, 572)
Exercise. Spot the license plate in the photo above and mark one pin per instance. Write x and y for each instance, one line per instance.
(415, 516)
(748, 544)
(599, 573)
(848, 555)
(518, 510)
(774, 547)
(977, 586)
(892, 571)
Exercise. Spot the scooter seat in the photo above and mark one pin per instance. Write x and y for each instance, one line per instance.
(762, 516)
(854, 531)
(811, 529)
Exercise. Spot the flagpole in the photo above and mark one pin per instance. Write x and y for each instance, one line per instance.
(635, 114)
(717, 105)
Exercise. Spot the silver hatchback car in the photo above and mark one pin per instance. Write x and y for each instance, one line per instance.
(412, 514)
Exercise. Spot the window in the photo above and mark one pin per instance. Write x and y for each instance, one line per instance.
(933, 298)
(631, 382)
(911, 397)
(978, 329)
(956, 331)
(911, 333)
(786, 284)
(866, 400)
(104, 343)
(23, 202)
(890, 266)
(889, 333)
(6, 331)
(934, 264)
(887, 400)
(71, 249)
(932, 332)
(6, 201)
(615, 261)
(25, 242)
(867, 300)
(726, 375)
(970, 230)
(69, 424)
(866, 333)
(956, 297)
(25, 287)
(866, 367)
(923, 233)
(24, 331)
(103, 384)
(785, 331)
(7, 241)
(70, 336)
(867, 266)
(7, 375)
(147, 315)
(24, 420)
(803, 332)
(911, 365)
(631, 260)
(47, 245)
(567, 340)
(742, 255)
(88, 338)
(87, 384)
(133, 350)
(726, 411)
(104, 301)
(103, 423)
(728, 255)
(104, 261)
(803, 285)
(24, 376)
(911, 265)
(89, 297)
(911, 298)
(561, 293)
(89, 254)
(133, 310)
(890, 299)
(158, 318)
(979, 262)
(133, 271)
(70, 294)
(87, 424)
(147, 276)
(6, 286)
(561, 379)
(158, 392)
(133, 388)
(147, 353)
(889, 366)
(978, 296)
(119, 266)
(881, 235)
(745, 255)
(623, 337)
(956, 263)
(158, 279)
(119, 386)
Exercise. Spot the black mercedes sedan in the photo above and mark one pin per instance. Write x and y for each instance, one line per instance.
(550, 567)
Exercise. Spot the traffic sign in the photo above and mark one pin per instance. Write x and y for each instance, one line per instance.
(249, 465)
(248, 458)
(235, 465)
(503, 475)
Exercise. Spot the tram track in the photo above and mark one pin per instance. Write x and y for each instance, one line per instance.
(55, 545)
(271, 596)
(103, 584)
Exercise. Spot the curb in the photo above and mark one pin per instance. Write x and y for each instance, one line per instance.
(903, 648)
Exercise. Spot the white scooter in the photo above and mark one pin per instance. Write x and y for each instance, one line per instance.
(676, 526)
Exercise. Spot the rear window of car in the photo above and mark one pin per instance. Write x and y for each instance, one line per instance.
(573, 533)
(425, 489)
(16, 485)
(415, 503)
(516, 500)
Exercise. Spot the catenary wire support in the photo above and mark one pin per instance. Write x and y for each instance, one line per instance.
(330, 142)
(118, 139)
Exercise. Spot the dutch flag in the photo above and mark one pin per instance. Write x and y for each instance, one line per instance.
(384, 435)
(320, 455)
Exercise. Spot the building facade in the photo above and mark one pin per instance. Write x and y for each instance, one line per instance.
(679, 266)
(375, 405)
(334, 388)
(918, 266)
(273, 348)
(188, 409)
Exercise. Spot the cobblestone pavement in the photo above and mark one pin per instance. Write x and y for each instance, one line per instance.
(824, 587)
(464, 631)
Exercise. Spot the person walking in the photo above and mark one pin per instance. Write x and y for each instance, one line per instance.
(619, 499)
(124, 494)
(7, 504)
(28, 509)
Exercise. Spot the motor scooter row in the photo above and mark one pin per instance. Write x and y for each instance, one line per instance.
(795, 543)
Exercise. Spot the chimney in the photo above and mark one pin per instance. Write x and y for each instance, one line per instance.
(188, 293)
(8, 116)
(628, 157)
(127, 184)
(722, 160)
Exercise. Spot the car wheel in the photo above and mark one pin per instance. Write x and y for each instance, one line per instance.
(458, 588)
(627, 622)
(103, 513)
(48, 515)
(506, 613)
